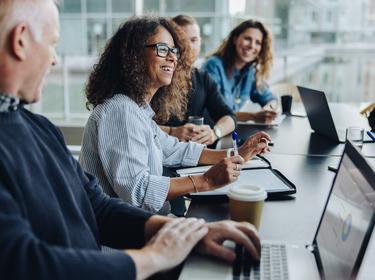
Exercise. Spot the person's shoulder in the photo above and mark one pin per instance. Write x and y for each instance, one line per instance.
(44, 124)
(203, 75)
(214, 60)
(120, 107)
(39, 119)
(118, 103)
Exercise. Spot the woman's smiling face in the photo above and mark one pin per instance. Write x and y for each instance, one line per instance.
(160, 69)
(248, 46)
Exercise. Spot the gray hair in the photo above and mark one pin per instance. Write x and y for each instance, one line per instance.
(12, 12)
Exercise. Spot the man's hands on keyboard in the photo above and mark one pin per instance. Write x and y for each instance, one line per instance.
(241, 233)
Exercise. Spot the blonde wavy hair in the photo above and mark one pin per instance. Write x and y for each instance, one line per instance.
(263, 63)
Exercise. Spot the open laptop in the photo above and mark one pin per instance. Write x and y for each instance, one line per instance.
(339, 244)
(320, 117)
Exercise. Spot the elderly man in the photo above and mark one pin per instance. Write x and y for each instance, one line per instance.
(53, 216)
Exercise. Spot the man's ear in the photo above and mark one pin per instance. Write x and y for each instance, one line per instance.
(20, 41)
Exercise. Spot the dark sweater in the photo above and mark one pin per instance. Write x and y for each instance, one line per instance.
(53, 217)
(204, 100)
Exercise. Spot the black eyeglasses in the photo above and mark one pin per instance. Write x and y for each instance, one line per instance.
(163, 50)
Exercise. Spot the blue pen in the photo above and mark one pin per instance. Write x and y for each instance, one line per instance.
(369, 133)
(235, 141)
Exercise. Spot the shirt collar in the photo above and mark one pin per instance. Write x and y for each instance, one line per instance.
(148, 110)
(8, 103)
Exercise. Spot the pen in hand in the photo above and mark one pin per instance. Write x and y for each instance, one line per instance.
(369, 133)
(235, 141)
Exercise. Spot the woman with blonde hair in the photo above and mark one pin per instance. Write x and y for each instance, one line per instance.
(241, 66)
(142, 76)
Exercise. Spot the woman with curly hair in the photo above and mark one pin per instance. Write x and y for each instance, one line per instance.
(240, 66)
(144, 74)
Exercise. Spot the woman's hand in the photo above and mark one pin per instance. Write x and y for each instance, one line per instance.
(242, 233)
(226, 171)
(169, 246)
(256, 144)
(264, 116)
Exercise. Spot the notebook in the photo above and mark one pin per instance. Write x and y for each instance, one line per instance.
(339, 244)
(320, 117)
(257, 171)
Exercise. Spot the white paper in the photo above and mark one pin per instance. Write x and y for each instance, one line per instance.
(263, 178)
(254, 163)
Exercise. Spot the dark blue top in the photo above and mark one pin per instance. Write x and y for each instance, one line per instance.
(53, 216)
(238, 88)
(204, 99)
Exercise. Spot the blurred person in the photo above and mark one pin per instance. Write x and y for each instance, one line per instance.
(204, 96)
(143, 76)
(240, 66)
(53, 216)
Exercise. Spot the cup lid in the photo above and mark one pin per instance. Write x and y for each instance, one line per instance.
(247, 193)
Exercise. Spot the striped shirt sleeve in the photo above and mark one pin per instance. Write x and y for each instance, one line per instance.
(124, 150)
(176, 153)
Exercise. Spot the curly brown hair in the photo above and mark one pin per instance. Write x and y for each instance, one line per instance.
(263, 63)
(122, 69)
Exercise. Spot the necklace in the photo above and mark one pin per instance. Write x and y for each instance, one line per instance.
(237, 91)
(237, 97)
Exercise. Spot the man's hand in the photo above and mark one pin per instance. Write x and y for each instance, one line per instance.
(185, 132)
(242, 233)
(204, 135)
(169, 246)
(256, 144)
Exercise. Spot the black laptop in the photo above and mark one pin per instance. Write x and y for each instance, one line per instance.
(320, 117)
(340, 241)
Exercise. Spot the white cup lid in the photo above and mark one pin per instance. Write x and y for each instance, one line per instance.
(247, 193)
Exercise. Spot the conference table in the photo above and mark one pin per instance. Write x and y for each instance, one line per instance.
(303, 157)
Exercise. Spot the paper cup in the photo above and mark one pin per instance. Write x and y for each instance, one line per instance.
(246, 203)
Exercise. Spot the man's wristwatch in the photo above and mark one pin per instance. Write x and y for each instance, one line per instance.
(217, 132)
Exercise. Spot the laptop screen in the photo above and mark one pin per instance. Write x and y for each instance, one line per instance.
(347, 217)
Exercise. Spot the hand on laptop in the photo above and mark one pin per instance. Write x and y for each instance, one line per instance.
(256, 144)
(169, 245)
(242, 233)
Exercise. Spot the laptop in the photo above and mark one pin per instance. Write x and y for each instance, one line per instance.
(320, 117)
(339, 244)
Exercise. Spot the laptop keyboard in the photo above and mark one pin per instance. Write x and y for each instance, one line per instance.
(273, 264)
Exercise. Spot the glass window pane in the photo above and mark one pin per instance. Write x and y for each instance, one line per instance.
(96, 35)
(116, 22)
(184, 6)
(123, 6)
(206, 26)
(77, 98)
(71, 6)
(151, 6)
(53, 95)
(73, 40)
(96, 6)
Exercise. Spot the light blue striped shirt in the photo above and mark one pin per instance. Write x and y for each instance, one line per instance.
(126, 150)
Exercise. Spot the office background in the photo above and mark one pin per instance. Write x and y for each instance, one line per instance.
(323, 44)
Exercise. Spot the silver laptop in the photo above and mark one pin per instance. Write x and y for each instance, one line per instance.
(339, 243)
(320, 117)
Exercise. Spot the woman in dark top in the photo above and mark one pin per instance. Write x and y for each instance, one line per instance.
(203, 100)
